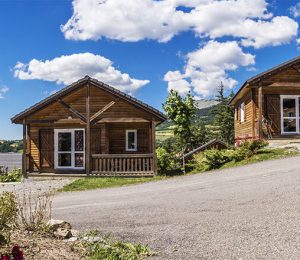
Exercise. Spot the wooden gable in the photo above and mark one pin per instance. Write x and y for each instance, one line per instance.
(115, 103)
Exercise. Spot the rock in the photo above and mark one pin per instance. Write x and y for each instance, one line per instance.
(75, 233)
(92, 239)
(73, 239)
(56, 224)
(62, 233)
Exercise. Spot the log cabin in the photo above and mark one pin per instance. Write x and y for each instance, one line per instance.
(89, 128)
(267, 106)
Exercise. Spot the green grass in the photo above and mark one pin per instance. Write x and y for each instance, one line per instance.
(106, 182)
(263, 155)
(109, 182)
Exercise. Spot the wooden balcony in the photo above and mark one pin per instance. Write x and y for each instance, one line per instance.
(137, 165)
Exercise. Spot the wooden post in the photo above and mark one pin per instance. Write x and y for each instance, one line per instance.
(253, 112)
(24, 159)
(153, 146)
(260, 112)
(28, 148)
(88, 132)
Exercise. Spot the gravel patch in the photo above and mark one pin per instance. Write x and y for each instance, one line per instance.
(35, 186)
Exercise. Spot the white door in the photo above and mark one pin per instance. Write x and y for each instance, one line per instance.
(69, 148)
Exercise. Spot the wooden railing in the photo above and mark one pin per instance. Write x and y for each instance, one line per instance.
(123, 164)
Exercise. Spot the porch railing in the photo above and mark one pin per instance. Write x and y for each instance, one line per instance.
(123, 164)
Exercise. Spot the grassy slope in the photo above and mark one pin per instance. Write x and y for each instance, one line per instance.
(109, 182)
(263, 155)
(106, 182)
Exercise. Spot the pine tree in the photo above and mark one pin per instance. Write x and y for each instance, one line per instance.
(224, 118)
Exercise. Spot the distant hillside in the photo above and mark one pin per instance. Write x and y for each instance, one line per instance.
(205, 112)
(12, 146)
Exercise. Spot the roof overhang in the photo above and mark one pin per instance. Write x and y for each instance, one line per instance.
(17, 119)
(256, 80)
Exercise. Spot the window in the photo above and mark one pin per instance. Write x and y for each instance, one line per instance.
(237, 114)
(69, 148)
(131, 140)
(289, 114)
(243, 112)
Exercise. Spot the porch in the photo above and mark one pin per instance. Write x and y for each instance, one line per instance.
(111, 165)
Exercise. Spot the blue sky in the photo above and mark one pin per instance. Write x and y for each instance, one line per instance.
(145, 48)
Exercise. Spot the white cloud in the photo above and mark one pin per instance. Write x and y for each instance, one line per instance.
(135, 20)
(3, 90)
(68, 69)
(295, 10)
(207, 67)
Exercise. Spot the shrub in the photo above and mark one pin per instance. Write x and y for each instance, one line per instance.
(165, 161)
(35, 212)
(8, 215)
(197, 162)
(14, 176)
(250, 147)
(8, 210)
(214, 159)
(106, 249)
(211, 159)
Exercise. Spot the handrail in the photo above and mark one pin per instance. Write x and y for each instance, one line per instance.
(123, 164)
(122, 155)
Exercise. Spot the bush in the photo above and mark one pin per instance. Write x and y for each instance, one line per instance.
(8, 215)
(28, 212)
(8, 210)
(35, 212)
(14, 176)
(165, 161)
(210, 159)
(250, 147)
(214, 159)
(106, 249)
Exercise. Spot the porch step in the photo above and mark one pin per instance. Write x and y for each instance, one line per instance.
(54, 175)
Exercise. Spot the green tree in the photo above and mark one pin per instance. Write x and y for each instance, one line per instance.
(181, 112)
(224, 116)
(199, 135)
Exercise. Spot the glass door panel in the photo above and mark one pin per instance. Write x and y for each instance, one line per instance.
(65, 149)
(289, 125)
(79, 148)
(289, 114)
(70, 147)
(289, 107)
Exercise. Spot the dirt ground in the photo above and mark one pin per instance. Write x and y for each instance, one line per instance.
(41, 247)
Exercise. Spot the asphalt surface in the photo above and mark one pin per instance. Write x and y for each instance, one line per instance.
(249, 212)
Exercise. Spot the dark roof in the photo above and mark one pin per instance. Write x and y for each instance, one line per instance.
(78, 84)
(203, 147)
(267, 73)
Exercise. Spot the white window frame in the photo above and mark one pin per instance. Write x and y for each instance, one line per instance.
(242, 108)
(135, 140)
(282, 97)
(72, 152)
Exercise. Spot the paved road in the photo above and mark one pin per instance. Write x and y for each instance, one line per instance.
(250, 212)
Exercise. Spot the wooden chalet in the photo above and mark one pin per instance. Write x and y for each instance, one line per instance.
(90, 128)
(267, 106)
